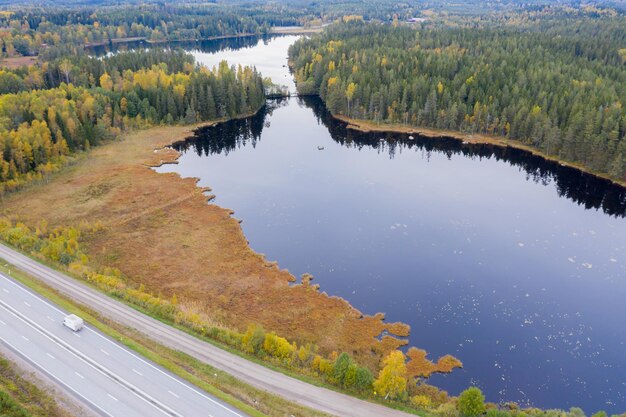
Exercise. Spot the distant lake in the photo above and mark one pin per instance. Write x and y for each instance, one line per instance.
(513, 264)
(269, 58)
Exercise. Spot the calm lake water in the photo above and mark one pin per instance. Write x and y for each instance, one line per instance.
(269, 57)
(515, 265)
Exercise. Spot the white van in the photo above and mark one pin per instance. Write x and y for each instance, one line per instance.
(73, 322)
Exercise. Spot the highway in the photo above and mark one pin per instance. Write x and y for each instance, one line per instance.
(98, 371)
(292, 389)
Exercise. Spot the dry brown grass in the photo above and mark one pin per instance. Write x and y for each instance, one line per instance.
(419, 365)
(159, 231)
(18, 61)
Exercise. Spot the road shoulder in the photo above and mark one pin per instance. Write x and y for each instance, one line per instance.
(73, 406)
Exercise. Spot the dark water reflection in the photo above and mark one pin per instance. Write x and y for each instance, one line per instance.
(205, 46)
(586, 190)
(514, 264)
(479, 248)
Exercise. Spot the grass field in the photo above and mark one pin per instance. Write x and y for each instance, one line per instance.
(160, 232)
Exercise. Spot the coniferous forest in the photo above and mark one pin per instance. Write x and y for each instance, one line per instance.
(132, 77)
(561, 93)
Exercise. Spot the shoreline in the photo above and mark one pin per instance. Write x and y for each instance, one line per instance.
(210, 265)
(397, 332)
(367, 126)
(119, 41)
(274, 31)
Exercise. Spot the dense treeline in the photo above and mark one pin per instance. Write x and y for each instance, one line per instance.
(40, 127)
(86, 70)
(33, 31)
(563, 94)
(53, 32)
(585, 190)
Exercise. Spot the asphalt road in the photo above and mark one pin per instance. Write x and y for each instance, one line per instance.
(259, 376)
(97, 370)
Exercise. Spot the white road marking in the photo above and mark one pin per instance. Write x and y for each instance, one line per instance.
(76, 334)
(33, 295)
(4, 306)
(49, 318)
(58, 379)
(118, 346)
(5, 290)
(164, 373)
(27, 305)
(105, 352)
(3, 323)
(25, 338)
(112, 397)
(50, 355)
(79, 375)
(137, 372)
(174, 394)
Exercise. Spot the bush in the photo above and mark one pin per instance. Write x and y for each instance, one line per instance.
(471, 402)
(340, 368)
(498, 413)
(252, 341)
(363, 379)
(576, 412)
(350, 378)
(392, 379)
(421, 401)
(434, 394)
(278, 347)
(555, 413)
(447, 410)
(304, 354)
(323, 367)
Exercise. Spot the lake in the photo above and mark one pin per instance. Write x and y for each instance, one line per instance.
(513, 264)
